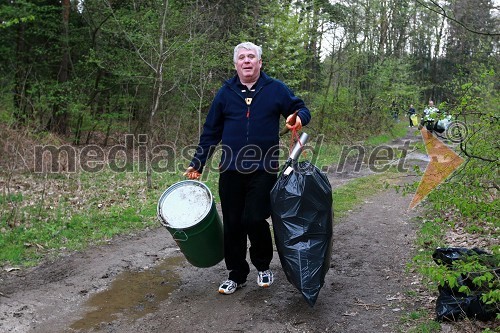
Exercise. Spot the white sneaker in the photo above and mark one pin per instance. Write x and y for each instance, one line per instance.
(229, 286)
(265, 279)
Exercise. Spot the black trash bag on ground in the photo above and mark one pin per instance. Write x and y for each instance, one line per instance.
(453, 305)
(447, 255)
(302, 216)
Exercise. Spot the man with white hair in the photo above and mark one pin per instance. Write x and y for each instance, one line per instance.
(245, 118)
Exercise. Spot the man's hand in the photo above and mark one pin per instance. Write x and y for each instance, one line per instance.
(192, 173)
(293, 122)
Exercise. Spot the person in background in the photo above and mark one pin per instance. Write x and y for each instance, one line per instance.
(411, 112)
(429, 117)
(394, 111)
(245, 118)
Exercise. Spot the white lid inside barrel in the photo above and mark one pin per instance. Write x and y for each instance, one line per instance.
(185, 204)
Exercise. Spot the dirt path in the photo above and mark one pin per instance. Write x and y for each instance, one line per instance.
(142, 283)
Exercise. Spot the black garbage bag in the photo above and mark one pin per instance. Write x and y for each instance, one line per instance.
(302, 216)
(447, 255)
(453, 305)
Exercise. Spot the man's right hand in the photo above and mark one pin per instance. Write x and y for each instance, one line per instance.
(192, 173)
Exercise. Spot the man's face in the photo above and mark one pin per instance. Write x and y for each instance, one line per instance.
(247, 66)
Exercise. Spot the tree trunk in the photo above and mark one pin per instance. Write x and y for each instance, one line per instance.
(434, 69)
(20, 111)
(157, 92)
(59, 121)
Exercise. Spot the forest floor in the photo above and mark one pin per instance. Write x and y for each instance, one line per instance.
(142, 282)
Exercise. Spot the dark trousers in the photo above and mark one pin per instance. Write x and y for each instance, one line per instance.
(246, 205)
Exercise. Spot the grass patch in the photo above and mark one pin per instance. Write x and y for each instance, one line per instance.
(399, 130)
(426, 327)
(69, 212)
(325, 154)
(418, 321)
(14, 197)
(351, 195)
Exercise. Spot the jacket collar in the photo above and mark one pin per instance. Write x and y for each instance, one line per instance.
(263, 80)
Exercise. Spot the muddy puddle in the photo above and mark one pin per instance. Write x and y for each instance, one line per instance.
(132, 295)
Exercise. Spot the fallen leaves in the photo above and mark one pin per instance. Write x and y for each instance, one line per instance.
(349, 314)
(367, 306)
(34, 244)
(11, 269)
(396, 297)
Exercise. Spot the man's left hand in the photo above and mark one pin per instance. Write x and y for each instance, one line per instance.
(293, 126)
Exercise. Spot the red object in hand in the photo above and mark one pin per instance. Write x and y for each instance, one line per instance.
(292, 119)
(293, 122)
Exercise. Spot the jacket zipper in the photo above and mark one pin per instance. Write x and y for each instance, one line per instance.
(248, 102)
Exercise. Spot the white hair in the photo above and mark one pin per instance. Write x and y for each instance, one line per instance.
(247, 46)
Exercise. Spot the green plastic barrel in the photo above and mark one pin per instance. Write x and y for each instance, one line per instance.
(187, 210)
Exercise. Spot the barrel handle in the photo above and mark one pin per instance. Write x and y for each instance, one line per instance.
(180, 232)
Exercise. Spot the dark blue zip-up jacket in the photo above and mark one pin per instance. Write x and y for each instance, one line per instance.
(249, 133)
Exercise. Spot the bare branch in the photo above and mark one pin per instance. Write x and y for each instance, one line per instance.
(136, 49)
(466, 153)
(444, 14)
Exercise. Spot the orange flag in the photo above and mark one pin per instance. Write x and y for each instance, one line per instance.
(443, 162)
